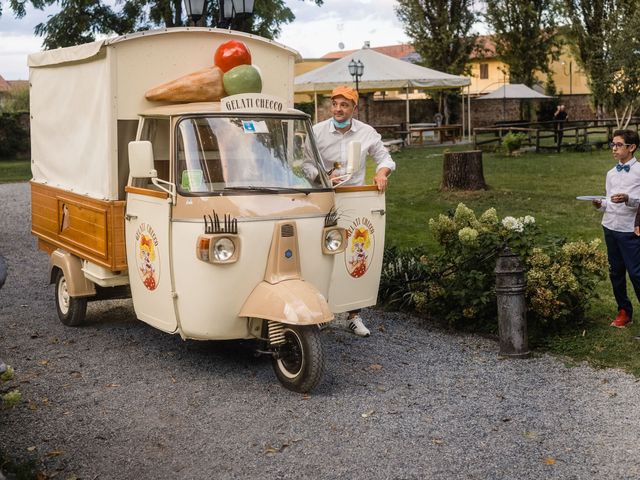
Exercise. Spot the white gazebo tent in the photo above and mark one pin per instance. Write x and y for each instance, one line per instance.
(514, 90)
(381, 72)
(517, 91)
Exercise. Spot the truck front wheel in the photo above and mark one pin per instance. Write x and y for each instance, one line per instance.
(299, 362)
(71, 310)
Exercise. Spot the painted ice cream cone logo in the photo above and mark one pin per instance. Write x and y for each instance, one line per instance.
(147, 258)
(359, 253)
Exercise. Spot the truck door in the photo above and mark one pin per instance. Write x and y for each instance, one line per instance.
(356, 271)
(147, 230)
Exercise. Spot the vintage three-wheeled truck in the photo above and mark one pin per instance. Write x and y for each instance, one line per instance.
(204, 212)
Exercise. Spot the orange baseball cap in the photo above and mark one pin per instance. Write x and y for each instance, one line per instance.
(346, 92)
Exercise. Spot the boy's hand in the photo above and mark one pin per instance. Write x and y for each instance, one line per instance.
(636, 230)
(619, 198)
(596, 203)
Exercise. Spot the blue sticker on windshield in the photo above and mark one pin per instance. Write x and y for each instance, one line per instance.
(249, 126)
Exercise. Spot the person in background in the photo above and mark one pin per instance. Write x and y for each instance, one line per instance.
(560, 116)
(332, 137)
(620, 207)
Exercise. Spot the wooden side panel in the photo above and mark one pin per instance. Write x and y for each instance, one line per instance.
(89, 228)
(83, 225)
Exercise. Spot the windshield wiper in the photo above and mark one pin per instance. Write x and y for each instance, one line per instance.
(306, 191)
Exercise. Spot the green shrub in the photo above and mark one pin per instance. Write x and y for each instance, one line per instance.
(17, 100)
(457, 284)
(14, 137)
(512, 142)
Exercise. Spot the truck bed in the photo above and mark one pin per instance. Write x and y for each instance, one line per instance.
(89, 228)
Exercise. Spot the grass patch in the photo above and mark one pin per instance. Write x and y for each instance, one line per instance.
(15, 171)
(544, 185)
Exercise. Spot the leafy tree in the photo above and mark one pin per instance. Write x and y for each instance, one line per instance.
(440, 31)
(624, 91)
(441, 34)
(80, 21)
(525, 34)
(603, 38)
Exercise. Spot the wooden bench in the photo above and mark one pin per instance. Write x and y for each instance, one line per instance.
(451, 132)
(418, 132)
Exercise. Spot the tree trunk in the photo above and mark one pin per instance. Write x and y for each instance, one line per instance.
(463, 171)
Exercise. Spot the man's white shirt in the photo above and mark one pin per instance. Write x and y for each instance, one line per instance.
(332, 146)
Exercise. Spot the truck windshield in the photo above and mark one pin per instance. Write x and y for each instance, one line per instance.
(262, 153)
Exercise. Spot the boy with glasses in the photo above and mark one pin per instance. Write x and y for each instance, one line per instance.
(620, 207)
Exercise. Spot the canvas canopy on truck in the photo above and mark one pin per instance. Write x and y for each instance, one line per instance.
(85, 100)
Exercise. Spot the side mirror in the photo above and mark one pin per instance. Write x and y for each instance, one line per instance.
(141, 160)
(353, 157)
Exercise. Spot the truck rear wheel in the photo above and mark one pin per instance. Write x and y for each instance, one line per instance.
(71, 310)
(299, 362)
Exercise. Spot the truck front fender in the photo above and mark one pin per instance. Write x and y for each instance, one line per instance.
(71, 266)
(294, 302)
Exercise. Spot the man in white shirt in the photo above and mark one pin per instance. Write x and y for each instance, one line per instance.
(619, 207)
(332, 138)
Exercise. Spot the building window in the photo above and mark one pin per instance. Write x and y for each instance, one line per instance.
(484, 71)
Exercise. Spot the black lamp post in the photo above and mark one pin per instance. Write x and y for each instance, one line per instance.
(230, 9)
(356, 69)
(194, 9)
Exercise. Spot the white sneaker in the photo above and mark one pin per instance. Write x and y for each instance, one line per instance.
(357, 327)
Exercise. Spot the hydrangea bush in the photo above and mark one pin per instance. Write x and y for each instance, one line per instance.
(457, 284)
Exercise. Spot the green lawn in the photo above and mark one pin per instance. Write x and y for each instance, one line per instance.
(542, 185)
(15, 171)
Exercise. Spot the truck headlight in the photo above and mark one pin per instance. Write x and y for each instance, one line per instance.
(223, 249)
(334, 240)
(218, 248)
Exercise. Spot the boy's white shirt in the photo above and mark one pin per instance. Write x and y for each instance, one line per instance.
(620, 217)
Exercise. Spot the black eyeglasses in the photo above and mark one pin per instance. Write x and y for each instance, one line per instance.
(619, 144)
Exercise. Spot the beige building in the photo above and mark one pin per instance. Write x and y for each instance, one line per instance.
(488, 72)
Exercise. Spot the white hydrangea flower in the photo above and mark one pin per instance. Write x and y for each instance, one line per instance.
(528, 220)
(468, 235)
(511, 223)
(490, 216)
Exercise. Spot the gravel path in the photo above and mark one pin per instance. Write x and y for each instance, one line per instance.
(116, 399)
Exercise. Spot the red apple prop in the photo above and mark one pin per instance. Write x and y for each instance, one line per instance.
(231, 54)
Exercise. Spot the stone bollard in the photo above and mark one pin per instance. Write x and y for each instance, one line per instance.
(512, 306)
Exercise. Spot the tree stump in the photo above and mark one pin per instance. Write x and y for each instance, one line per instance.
(463, 171)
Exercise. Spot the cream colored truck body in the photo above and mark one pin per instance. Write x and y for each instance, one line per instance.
(87, 104)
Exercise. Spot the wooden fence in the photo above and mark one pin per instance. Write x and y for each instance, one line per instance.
(543, 136)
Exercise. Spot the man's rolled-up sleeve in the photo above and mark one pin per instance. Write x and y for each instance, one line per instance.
(380, 154)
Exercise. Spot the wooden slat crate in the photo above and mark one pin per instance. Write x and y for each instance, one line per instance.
(89, 228)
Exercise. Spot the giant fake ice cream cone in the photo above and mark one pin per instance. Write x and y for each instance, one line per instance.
(201, 86)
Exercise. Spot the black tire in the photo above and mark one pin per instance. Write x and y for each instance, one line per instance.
(299, 363)
(71, 310)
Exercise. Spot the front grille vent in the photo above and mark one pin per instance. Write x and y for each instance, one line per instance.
(286, 230)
